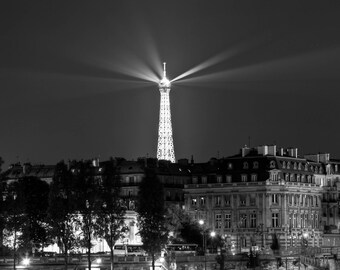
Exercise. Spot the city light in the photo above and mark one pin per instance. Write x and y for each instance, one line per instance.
(26, 261)
(213, 234)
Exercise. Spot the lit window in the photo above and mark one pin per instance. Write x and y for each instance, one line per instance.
(275, 220)
(230, 166)
(254, 177)
(218, 221)
(284, 165)
(288, 165)
(193, 201)
(202, 201)
(227, 221)
(300, 166)
(229, 178)
(244, 178)
(295, 166)
(275, 198)
(204, 179)
(219, 178)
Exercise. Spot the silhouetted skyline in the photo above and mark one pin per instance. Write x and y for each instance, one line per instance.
(76, 77)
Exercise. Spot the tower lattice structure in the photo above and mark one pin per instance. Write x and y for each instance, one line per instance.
(165, 146)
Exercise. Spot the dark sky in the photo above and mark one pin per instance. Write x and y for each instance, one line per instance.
(74, 77)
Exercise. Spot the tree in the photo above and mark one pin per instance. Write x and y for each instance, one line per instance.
(61, 212)
(151, 215)
(88, 203)
(14, 219)
(112, 213)
(35, 198)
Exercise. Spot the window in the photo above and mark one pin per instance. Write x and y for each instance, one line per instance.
(218, 221)
(243, 221)
(242, 200)
(272, 164)
(204, 179)
(227, 221)
(219, 178)
(194, 180)
(275, 198)
(254, 177)
(275, 220)
(230, 166)
(306, 167)
(202, 201)
(288, 165)
(302, 221)
(316, 221)
(284, 165)
(274, 176)
(303, 178)
(336, 168)
(227, 200)
(252, 220)
(295, 220)
(244, 178)
(287, 177)
(298, 178)
(290, 199)
(295, 166)
(229, 178)
(255, 165)
(218, 201)
(316, 201)
(302, 200)
(193, 201)
(300, 166)
(252, 199)
(245, 165)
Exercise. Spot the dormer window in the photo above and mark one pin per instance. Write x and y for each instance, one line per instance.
(272, 164)
(245, 165)
(255, 165)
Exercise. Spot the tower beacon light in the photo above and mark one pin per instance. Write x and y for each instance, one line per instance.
(165, 146)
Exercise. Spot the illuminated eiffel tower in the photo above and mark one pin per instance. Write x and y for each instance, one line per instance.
(165, 146)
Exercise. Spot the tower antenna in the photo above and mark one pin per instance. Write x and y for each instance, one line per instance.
(164, 70)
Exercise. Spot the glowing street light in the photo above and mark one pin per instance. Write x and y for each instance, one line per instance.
(213, 234)
(99, 260)
(26, 261)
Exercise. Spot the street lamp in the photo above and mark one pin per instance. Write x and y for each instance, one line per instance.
(26, 261)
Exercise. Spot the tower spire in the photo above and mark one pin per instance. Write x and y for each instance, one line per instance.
(164, 70)
(165, 146)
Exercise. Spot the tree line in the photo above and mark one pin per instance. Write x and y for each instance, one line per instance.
(78, 206)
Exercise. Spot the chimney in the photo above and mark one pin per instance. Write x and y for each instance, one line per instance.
(262, 150)
(272, 150)
(245, 151)
(292, 152)
(281, 153)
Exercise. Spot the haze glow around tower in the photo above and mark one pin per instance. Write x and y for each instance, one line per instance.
(165, 146)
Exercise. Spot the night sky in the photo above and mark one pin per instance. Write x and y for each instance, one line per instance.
(78, 79)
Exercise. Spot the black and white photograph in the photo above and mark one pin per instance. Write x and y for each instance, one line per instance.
(169, 135)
